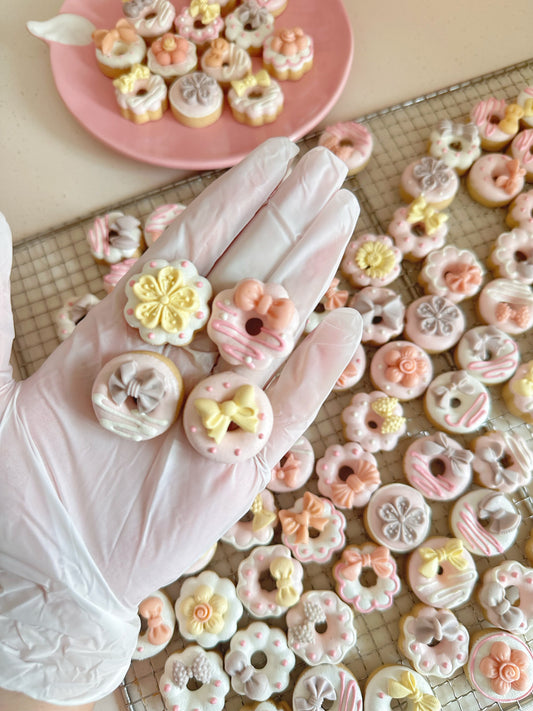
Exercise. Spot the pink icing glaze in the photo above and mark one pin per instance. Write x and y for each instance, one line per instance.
(508, 305)
(374, 421)
(401, 369)
(416, 232)
(371, 260)
(489, 354)
(520, 212)
(434, 323)
(431, 178)
(294, 469)
(502, 461)
(353, 372)
(347, 475)
(495, 179)
(512, 256)
(451, 272)
(382, 311)
(351, 142)
(193, 29)
(254, 528)
(522, 149)
(487, 116)
(159, 219)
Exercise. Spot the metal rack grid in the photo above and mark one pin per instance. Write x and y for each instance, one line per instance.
(52, 265)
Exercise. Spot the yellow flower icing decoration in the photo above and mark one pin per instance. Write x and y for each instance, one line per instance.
(165, 300)
(204, 611)
(376, 259)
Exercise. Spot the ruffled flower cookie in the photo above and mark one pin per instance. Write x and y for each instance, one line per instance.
(371, 260)
(141, 95)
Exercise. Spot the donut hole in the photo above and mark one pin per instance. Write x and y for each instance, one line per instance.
(520, 256)
(327, 704)
(150, 16)
(225, 64)
(494, 118)
(141, 92)
(456, 146)
(512, 594)
(258, 659)
(233, 426)
(372, 425)
(419, 229)
(440, 570)
(400, 705)
(198, 24)
(313, 532)
(345, 472)
(193, 684)
(506, 461)
(437, 467)
(253, 326)
(248, 517)
(321, 627)
(346, 143)
(248, 27)
(77, 319)
(320, 308)
(120, 50)
(266, 581)
(377, 320)
(255, 94)
(433, 642)
(368, 578)
(455, 402)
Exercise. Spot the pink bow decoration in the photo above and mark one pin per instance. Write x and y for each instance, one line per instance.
(510, 182)
(516, 314)
(105, 39)
(298, 524)
(379, 560)
(462, 277)
(158, 632)
(250, 296)
(288, 471)
(347, 374)
(365, 476)
(334, 297)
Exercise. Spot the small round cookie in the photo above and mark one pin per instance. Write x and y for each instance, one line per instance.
(495, 180)
(137, 395)
(259, 639)
(353, 372)
(167, 302)
(488, 353)
(350, 141)
(208, 609)
(397, 517)
(117, 50)
(518, 393)
(401, 369)
(434, 323)
(382, 311)
(114, 237)
(500, 666)
(457, 402)
(225, 62)
(506, 596)
(433, 640)
(441, 572)
(431, 178)
(200, 22)
(371, 260)
(525, 100)
(256, 100)
(520, 212)
(521, 148)
(312, 513)
(497, 122)
(331, 684)
(334, 298)
(288, 53)
(502, 461)
(305, 622)
(255, 527)
(151, 18)
(374, 420)
(418, 229)
(141, 96)
(396, 681)
(269, 581)
(196, 100)
(74, 310)
(451, 272)
(511, 256)
(172, 56)
(203, 672)
(366, 577)
(486, 521)
(457, 144)
(249, 25)
(347, 475)
(158, 618)
(438, 467)
(116, 272)
(507, 304)
(294, 469)
(158, 220)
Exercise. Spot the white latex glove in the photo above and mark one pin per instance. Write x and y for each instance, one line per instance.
(91, 523)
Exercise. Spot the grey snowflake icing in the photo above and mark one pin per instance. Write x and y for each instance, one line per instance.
(401, 521)
(437, 316)
(432, 173)
(197, 88)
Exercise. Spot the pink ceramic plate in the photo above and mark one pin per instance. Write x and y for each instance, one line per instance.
(89, 95)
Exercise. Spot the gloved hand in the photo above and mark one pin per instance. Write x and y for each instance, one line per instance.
(91, 523)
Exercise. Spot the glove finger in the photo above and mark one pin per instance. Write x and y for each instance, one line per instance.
(7, 330)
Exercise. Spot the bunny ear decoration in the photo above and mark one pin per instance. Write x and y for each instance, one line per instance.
(66, 29)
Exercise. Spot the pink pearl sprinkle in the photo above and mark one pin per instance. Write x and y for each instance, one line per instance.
(381, 695)
(130, 312)
(242, 642)
(209, 388)
(226, 385)
(261, 415)
(332, 653)
(183, 263)
(322, 550)
(212, 450)
(514, 574)
(194, 429)
(132, 282)
(277, 643)
(284, 662)
(344, 636)
(199, 284)
(217, 683)
(278, 685)
(167, 688)
(181, 335)
(175, 707)
(212, 700)
(336, 453)
(153, 264)
(199, 314)
(151, 336)
(63, 316)
(260, 436)
(140, 649)
(237, 452)
(259, 635)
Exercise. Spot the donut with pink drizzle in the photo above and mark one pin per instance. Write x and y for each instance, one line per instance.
(520, 213)
(457, 402)
(489, 354)
(451, 272)
(347, 475)
(374, 420)
(257, 526)
(325, 683)
(455, 143)
(511, 256)
(507, 304)
(294, 469)
(502, 461)
(525, 100)
(158, 220)
(497, 122)
(517, 616)
(334, 298)
(116, 272)
(418, 229)
(352, 142)
(114, 237)
(495, 179)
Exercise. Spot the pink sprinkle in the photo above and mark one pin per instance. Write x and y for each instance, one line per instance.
(175, 707)
(64, 331)
(321, 549)
(336, 453)
(444, 664)
(272, 607)
(327, 601)
(248, 572)
(181, 335)
(167, 688)
(344, 636)
(63, 316)
(184, 263)
(247, 593)
(199, 284)
(211, 450)
(153, 264)
(237, 452)
(460, 657)
(199, 314)
(132, 282)
(528, 581)
(414, 647)
(130, 312)
(194, 429)
(217, 683)
(242, 642)
(332, 653)
(381, 695)
(277, 643)
(312, 656)
(260, 436)
(261, 415)
(259, 635)
(212, 700)
(209, 388)
(296, 645)
(502, 578)
(514, 574)
(226, 385)
(261, 557)
(460, 637)
(151, 336)
(284, 662)
(278, 685)
(425, 663)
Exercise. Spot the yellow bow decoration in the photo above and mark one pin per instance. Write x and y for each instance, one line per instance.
(524, 386)
(262, 517)
(406, 688)
(384, 407)
(528, 108)
(453, 552)
(217, 417)
(420, 211)
(207, 11)
(509, 124)
(282, 570)
(262, 78)
(126, 82)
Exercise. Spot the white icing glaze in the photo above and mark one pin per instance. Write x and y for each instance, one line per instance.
(148, 95)
(457, 402)
(329, 683)
(170, 71)
(258, 104)
(163, 620)
(498, 608)
(347, 475)
(489, 354)
(512, 256)
(374, 421)
(72, 312)
(123, 54)
(502, 461)
(507, 304)
(255, 528)
(235, 63)
(155, 19)
(451, 272)
(455, 143)
(378, 688)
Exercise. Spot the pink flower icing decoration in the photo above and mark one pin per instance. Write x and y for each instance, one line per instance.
(460, 278)
(289, 42)
(404, 366)
(170, 49)
(506, 668)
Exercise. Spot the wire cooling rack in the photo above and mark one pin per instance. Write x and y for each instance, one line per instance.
(51, 266)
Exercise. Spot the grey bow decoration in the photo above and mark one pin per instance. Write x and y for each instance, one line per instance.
(147, 387)
(458, 381)
(319, 690)
(492, 455)
(492, 597)
(81, 308)
(441, 446)
(120, 233)
(390, 310)
(468, 131)
(443, 625)
(200, 670)
(133, 8)
(255, 683)
(499, 519)
(305, 633)
(486, 344)
(252, 14)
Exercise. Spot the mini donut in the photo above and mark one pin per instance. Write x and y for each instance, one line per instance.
(151, 18)
(350, 141)
(288, 53)
(494, 180)
(225, 62)
(312, 513)
(167, 302)
(374, 420)
(200, 23)
(294, 469)
(257, 526)
(521, 148)
(158, 220)
(371, 260)
(396, 681)
(520, 212)
(325, 683)
(497, 122)
(434, 323)
(457, 402)
(502, 461)
(500, 607)
(275, 7)
(208, 609)
(382, 311)
(418, 229)
(486, 521)
(303, 628)
(117, 50)
(500, 666)
(518, 393)
(74, 310)
(353, 372)
(347, 475)
(114, 237)
(431, 178)
(259, 683)
(451, 272)
(355, 563)
(457, 144)
(158, 613)
(334, 298)
(141, 96)
(137, 395)
(488, 353)
(204, 669)
(116, 272)
(256, 100)
(172, 56)
(253, 324)
(249, 25)
(401, 369)
(269, 581)
(438, 467)
(511, 256)
(441, 572)
(433, 640)
(525, 100)
(397, 517)
(507, 304)
(196, 100)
